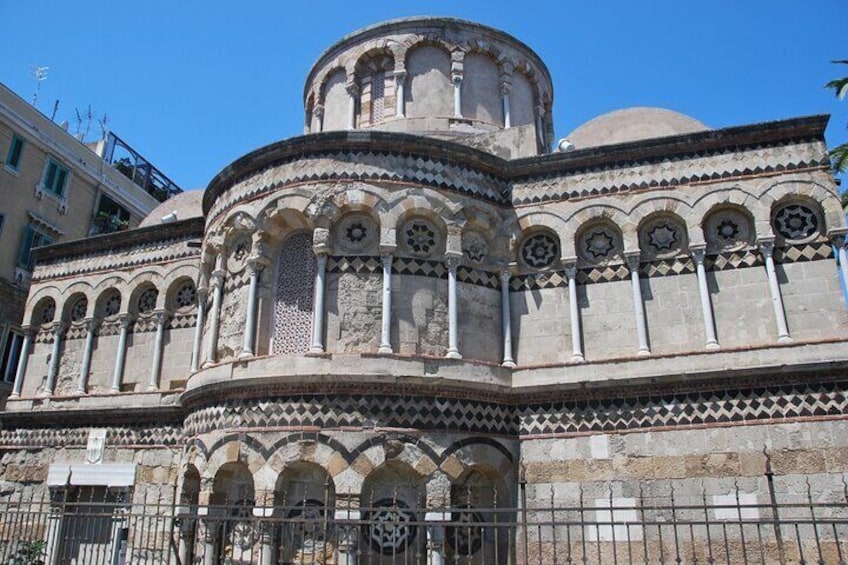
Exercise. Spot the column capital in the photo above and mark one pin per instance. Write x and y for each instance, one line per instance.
(28, 331)
(91, 324)
(352, 88)
(837, 236)
(161, 317)
(318, 110)
(400, 75)
(506, 87)
(125, 320)
(257, 264)
(387, 259)
(456, 77)
(505, 274)
(698, 252)
(452, 259)
(766, 246)
(633, 259)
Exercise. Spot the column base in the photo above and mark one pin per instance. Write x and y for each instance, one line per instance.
(784, 339)
(245, 355)
(316, 349)
(508, 363)
(643, 353)
(453, 354)
(80, 391)
(712, 346)
(578, 358)
(152, 388)
(385, 350)
(14, 395)
(207, 364)
(113, 390)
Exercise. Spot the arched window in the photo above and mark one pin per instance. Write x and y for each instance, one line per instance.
(293, 296)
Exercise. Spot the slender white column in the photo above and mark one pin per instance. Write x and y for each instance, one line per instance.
(121, 356)
(156, 366)
(400, 102)
(318, 305)
(453, 318)
(85, 367)
(506, 320)
(386, 328)
(540, 134)
(767, 249)
(319, 114)
(837, 237)
(22, 363)
(505, 97)
(249, 345)
(353, 92)
(574, 311)
(53, 368)
(638, 304)
(216, 281)
(698, 254)
(457, 94)
(198, 329)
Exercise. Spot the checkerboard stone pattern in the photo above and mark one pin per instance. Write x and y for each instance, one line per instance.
(356, 410)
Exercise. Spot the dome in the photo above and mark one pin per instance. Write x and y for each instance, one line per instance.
(185, 205)
(633, 124)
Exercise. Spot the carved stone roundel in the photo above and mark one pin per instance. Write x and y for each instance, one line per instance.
(796, 222)
(48, 312)
(112, 305)
(239, 252)
(356, 233)
(663, 236)
(186, 296)
(539, 251)
(420, 237)
(390, 528)
(728, 230)
(598, 244)
(474, 247)
(147, 301)
(79, 309)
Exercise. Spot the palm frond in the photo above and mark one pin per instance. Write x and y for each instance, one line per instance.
(840, 86)
(839, 158)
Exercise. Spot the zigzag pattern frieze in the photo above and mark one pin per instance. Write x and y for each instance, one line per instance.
(339, 411)
(365, 166)
(696, 408)
(106, 260)
(629, 176)
(78, 437)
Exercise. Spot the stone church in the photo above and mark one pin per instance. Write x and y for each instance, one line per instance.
(418, 305)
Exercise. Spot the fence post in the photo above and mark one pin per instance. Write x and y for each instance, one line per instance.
(58, 498)
(778, 536)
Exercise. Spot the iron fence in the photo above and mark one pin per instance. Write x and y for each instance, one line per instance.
(99, 526)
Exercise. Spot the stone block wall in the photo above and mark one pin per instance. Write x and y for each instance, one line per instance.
(673, 312)
(742, 307)
(354, 312)
(608, 318)
(813, 300)
(419, 315)
(541, 326)
(479, 314)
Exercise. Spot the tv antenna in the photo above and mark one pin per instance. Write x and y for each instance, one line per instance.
(39, 73)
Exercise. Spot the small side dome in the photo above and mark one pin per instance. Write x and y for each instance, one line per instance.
(633, 124)
(184, 206)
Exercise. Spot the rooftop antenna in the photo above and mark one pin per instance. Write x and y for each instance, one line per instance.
(39, 73)
(103, 121)
(55, 109)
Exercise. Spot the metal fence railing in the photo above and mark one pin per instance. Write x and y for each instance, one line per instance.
(94, 526)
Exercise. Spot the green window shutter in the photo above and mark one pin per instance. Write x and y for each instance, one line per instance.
(62, 177)
(25, 251)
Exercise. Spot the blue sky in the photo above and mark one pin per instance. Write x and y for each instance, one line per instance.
(193, 85)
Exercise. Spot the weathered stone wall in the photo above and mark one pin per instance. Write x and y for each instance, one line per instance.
(176, 357)
(608, 320)
(103, 363)
(138, 361)
(742, 307)
(419, 314)
(673, 312)
(541, 326)
(354, 312)
(812, 297)
(479, 312)
(69, 366)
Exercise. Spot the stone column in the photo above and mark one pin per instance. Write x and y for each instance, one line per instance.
(767, 249)
(386, 328)
(198, 329)
(255, 267)
(318, 110)
(505, 90)
(698, 255)
(506, 319)
(540, 134)
(156, 367)
(837, 237)
(54, 526)
(574, 311)
(216, 281)
(85, 367)
(456, 79)
(53, 368)
(638, 304)
(22, 362)
(400, 102)
(121, 356)
(452, 262)
(353, 92)
(318, 304)
(436, 537)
